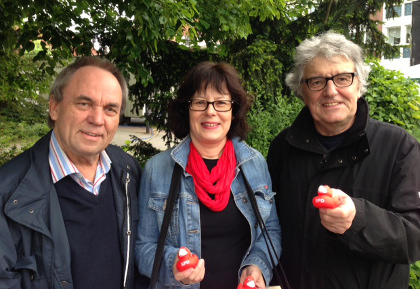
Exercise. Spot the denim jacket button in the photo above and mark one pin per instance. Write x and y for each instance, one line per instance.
(245, 200)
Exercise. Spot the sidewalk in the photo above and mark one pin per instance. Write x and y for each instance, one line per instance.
(139, 130)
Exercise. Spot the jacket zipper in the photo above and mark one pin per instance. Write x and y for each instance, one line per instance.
(127, 195)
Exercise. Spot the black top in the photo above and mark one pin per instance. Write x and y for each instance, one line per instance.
(91, 225)
(225, 238)
(331, 142)
(377, 165)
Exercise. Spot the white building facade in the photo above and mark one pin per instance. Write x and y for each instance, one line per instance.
(397, 28)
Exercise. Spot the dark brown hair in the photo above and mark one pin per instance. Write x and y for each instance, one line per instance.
(220, 76)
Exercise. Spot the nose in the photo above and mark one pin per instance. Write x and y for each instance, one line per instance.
(96, 116)
(210, 109)
(330, 89)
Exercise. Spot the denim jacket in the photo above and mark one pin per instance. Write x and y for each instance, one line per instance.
(184, 228)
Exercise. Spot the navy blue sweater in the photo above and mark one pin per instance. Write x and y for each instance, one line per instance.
(91, 225)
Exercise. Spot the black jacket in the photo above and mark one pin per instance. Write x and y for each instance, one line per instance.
(34, 250)
(378, 165)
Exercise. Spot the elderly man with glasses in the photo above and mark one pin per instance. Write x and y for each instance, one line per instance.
(373, 168)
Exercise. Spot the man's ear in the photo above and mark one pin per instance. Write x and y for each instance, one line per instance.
(53, 108)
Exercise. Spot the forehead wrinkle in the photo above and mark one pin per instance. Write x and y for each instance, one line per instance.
(84, 97)
(91, 100)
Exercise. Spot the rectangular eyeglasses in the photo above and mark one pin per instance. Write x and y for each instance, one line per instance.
(218, 105)
(339, 80)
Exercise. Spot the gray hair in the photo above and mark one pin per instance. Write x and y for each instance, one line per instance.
(327, 45)
(67, 73)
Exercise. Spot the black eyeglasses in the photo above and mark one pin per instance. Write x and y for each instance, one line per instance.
(340, 80)
(218, 105)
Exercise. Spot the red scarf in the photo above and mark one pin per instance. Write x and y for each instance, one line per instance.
(217, 182)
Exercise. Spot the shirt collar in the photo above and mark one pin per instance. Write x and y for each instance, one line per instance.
(61, 166)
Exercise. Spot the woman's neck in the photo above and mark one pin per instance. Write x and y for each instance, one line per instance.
(210, 150)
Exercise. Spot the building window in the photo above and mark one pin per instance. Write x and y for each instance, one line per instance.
(408, 35)
(406, 52)
(393, 12)
(394, 35)
(407, 9)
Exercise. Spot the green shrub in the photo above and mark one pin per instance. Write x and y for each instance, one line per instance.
(8, 153)
(417, 133)
(140, 149)
(393, 98)
(259, 66)
(22, 122)
(16, 137)
(415, 276)
(22, 79)
(267, 122)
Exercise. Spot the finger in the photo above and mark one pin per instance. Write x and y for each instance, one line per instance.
(197, 274)
(260, 283)
(184, 275)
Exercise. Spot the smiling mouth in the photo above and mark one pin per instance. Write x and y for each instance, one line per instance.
(91, 134)
(331, 104)
(210, 124)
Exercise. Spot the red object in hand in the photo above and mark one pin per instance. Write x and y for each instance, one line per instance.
(325, 198)
(249, 283)
(186, 259)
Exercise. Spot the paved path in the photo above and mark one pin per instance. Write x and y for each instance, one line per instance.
(139, 130)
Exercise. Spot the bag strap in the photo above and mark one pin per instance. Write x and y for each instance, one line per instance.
(173, 193)
(280, 276)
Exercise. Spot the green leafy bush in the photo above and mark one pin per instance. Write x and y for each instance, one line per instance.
(16, 137)
(415, 276)
(22, 123)
(393, 98)
(268, 121)
(8, 153)
(21, 78)
(417, 133)
(261, 69)
(140, 149)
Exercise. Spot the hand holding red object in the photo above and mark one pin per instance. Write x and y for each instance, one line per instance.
(325, 198)
(249, 283)
(186, 259)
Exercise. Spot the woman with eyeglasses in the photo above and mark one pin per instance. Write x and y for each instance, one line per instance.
(372, 235)
(212, 216)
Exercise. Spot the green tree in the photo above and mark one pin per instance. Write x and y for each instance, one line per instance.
(124, 29)
(259, 65)
(354, 19)
(133, 34)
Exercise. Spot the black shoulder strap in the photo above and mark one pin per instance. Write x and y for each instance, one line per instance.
(173, 193)
(277, 271)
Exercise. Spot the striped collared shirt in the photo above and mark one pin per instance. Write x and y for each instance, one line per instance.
(61, 166)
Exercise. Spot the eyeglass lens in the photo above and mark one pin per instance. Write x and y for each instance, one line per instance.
(340, 80)
(202, 105)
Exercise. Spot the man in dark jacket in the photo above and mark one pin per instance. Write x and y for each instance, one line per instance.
(69, 204)
(369, 240)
